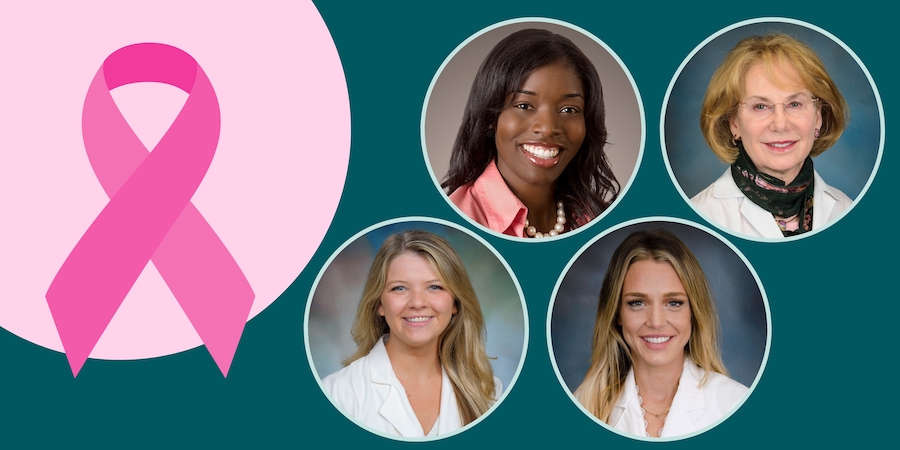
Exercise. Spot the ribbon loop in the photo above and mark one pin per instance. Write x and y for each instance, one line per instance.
(149, 215)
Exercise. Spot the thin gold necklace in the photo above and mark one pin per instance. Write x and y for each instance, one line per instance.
(649, 412)
(660, 414)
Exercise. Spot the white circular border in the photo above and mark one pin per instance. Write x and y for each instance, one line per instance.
(643, 220)
(449, 224)
(637, 94)
(665, 104)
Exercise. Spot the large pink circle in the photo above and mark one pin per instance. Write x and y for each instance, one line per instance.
(270, 193)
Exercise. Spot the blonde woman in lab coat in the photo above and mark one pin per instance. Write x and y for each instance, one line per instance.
(655, 365)
(420, 367)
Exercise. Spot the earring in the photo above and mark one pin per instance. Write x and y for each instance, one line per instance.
(734, 140)
(817, 134)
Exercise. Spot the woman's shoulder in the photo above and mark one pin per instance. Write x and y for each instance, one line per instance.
(720, 201)
(345, 375)
(723, 382)
(723, 188)
(723, 391)
(363, 383)
(489, 202)
(463, 197)
(477, 195)
(498, 388)
(842, 200)
(348, 386)
(342, 386)
(719, 389)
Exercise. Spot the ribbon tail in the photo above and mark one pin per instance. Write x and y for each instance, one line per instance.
(207, 282)
(83, 299)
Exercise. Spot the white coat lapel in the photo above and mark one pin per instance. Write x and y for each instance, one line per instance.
(395, 409)
(823, 204)
(626, 414)
(687, 406)
(751, 215)
(448, 417)
(760, 219)
(399, 413)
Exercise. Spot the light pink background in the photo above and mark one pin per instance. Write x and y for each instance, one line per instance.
(272, 188)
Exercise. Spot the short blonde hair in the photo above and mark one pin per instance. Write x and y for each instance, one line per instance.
(726, 90)
(611, 358)
(461, 347)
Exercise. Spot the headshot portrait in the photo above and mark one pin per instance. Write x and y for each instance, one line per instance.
(532, 128)
(658, 329)
(772, 129)
(416, 329)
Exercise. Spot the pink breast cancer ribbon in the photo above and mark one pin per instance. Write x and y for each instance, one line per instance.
(149, 215)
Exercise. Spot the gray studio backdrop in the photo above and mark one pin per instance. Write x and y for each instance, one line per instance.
(847, 165)
(445, 105)
(337, 294)
(742, 311)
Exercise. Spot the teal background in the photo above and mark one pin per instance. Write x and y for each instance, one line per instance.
(828, 379)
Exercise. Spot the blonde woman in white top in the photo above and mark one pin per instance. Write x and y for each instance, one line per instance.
(420, 368)
(655, 366)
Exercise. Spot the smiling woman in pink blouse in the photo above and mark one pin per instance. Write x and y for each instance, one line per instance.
(529, 159)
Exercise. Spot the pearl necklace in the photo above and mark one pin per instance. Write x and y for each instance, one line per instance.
(560, 226)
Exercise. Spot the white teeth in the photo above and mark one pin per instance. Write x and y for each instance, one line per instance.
(780, 145)
(417, 319)
(657, 340)
(541, 152)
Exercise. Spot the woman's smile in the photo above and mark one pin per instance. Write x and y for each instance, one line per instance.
(656, 340)
(418, 320)
(542, 154)
(781, 147)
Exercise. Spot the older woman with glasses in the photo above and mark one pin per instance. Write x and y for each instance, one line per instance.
(769, 109)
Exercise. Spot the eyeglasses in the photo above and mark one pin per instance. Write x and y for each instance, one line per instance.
(800, 106)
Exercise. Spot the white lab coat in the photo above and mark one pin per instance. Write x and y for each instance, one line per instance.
(724, 204)
(693, 407)
(368, 392)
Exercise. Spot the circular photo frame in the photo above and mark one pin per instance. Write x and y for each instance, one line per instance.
(377, 403)
(743, 338)
(445, 103)
(849, 166)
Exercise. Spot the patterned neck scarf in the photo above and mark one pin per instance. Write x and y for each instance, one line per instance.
(772, 195)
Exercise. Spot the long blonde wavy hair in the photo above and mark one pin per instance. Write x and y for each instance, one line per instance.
(611, 358)
(461, 346)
